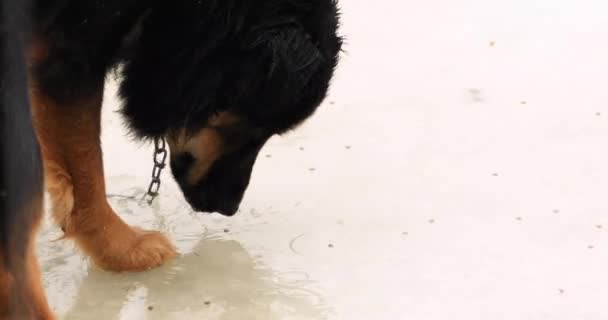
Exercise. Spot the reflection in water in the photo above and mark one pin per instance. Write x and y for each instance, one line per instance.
(217, 279)
(220, 280)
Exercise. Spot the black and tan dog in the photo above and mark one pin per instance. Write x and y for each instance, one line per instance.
(216, 78)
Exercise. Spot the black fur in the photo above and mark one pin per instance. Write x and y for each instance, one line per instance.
(20, 163)
(269, 60)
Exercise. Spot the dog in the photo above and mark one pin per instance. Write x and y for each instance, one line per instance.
(215, 78)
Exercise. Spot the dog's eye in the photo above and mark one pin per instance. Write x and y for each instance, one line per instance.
(237, 135)
(182, 163)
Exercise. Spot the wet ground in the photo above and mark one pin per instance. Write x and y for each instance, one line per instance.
(457, 171)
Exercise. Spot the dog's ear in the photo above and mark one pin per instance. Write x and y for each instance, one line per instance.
(295, 58)
(295, 76)
(131, 39)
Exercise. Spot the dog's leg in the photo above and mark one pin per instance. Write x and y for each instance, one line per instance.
(70, 139)
(21, 293)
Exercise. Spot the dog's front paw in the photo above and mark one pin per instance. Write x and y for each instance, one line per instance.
(150, 249)
(123, 248)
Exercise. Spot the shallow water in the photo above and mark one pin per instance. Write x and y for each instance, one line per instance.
(457, 171)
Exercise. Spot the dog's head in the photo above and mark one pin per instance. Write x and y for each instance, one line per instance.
(217, 79)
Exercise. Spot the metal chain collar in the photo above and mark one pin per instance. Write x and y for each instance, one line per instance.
(160, 162)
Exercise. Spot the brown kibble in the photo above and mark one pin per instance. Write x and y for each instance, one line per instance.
(150, 308)
(207, 303)
(226, 230)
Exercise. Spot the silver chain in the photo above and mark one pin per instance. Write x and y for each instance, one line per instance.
(160, 162)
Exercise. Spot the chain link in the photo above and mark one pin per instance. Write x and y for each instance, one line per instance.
(160, 162)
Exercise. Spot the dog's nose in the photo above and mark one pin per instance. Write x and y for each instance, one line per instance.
(180, 164)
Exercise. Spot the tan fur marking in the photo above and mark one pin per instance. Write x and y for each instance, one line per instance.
(206, 146)
(69, 139)
(59, 185)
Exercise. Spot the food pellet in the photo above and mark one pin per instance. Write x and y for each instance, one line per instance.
(150, 308)
(207, 303)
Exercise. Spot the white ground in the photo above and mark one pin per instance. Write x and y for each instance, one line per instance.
(458, 171)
